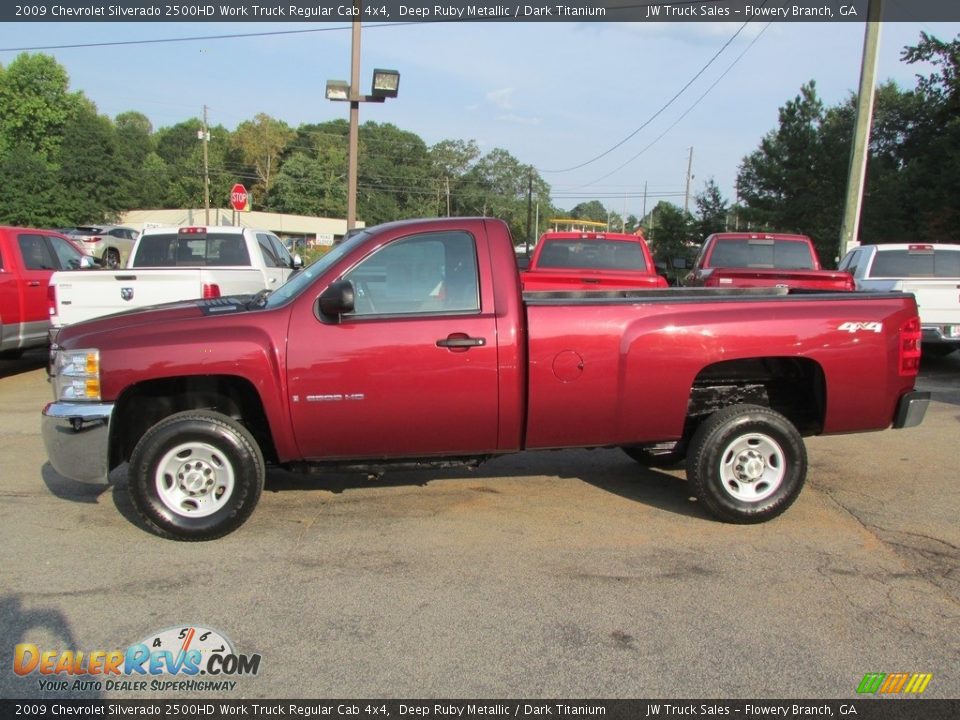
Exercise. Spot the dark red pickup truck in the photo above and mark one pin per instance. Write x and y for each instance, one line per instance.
(590, 261)
(412, 342)
(763, 260)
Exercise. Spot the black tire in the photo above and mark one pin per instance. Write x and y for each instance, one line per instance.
(111, 258)
(196, 475)
(11, 354)
(746, 464)
(658, 457)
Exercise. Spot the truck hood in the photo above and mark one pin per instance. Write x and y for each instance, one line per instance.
(83, 333)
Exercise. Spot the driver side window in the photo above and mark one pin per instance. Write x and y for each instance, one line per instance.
(430, 273)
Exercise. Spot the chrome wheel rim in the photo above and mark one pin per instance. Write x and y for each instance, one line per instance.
(752, 467)
(195, 479)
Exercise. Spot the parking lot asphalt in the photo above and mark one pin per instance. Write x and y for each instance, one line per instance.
(567, 574)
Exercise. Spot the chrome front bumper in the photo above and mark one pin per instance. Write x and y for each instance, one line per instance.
(77, 436)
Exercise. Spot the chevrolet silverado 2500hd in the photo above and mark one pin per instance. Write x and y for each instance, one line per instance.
(412, 342)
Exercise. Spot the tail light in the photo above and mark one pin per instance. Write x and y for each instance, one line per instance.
(52, 300)
(211, 290)
(910, 335)
(94, 239)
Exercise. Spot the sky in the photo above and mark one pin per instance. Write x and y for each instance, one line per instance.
(555, 95)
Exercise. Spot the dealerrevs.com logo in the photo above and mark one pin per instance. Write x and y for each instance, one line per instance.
(894, 683)
(186, 658)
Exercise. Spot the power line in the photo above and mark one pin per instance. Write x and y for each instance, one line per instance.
(663, 108)
(685, 112)
(193, 38)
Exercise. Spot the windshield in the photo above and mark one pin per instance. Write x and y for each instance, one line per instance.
(763, 253)
(591, 255)
(919, 263)
(303, 279)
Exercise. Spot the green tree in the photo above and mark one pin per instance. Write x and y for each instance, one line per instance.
(451, 160)
(35, 104)
(712, 211)
(591, 210)
(87, 170)
(931, 161)
(308, 186)
(670, 237)
(497, 186)
(261, 143)
(790, 183)
(29, 194)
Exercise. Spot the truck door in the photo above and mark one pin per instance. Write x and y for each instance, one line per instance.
(412, 371)
(39, 263)
(277, 262)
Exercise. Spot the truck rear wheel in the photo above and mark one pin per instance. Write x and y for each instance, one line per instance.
(196, 475)
(746, 464)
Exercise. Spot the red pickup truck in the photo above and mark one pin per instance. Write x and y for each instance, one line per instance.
(763, 260)
(412, 342)
(28, 257)
(591, 261)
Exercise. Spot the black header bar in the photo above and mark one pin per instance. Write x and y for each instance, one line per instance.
(396, 11)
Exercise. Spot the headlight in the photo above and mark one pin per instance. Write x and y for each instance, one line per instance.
(76, 374)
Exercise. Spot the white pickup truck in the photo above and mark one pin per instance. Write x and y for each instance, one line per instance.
(175, 263)
(930, 271)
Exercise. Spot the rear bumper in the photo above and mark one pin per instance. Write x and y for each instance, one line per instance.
(911, 409)
(942, 335)
(76, 436)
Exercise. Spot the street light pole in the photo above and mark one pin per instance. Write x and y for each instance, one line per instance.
(353, 162)
(386, 84)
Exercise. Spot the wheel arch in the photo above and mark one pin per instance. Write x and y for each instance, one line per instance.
(143, 405)
(795, 387)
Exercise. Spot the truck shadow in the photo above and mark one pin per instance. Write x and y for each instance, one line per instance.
(30, 360)
(608, 470)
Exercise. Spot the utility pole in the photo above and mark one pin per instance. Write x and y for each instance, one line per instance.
(448, 195)
(529, 208)
(206, 168)
(850, 230)
(686, 195)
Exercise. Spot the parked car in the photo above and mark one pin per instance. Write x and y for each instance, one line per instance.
(28, 258)
(590, 261)
(763, 260)
(176, 263)
(930, 271)
(111, 243)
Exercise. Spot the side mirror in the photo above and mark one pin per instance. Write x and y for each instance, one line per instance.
(297, 262)
(337, 299)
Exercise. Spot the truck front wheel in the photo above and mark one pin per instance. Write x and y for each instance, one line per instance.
(746, 464)
(196, 475)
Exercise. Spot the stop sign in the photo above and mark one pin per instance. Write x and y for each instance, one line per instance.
(239, 199)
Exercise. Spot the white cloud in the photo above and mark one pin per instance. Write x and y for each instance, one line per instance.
(502, 98)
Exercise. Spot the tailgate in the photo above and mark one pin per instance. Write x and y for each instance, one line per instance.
(588, 280)
(82, 296)
(800, 279)
(938, 300)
